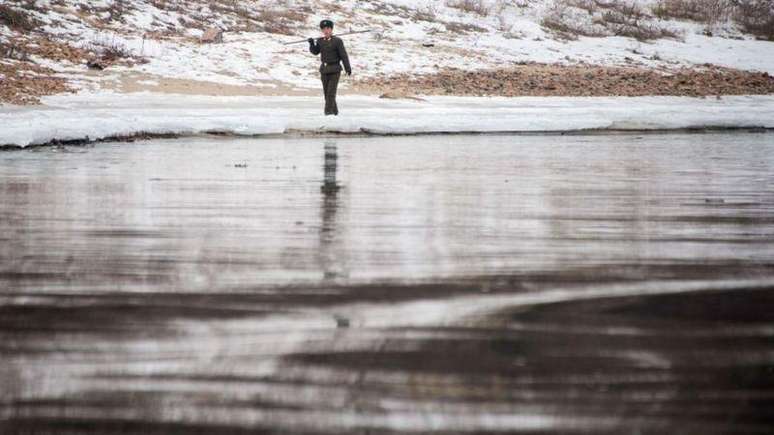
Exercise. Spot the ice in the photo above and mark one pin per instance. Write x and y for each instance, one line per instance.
(94, 116)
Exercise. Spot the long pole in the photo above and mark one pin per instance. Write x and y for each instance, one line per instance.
(338, 34)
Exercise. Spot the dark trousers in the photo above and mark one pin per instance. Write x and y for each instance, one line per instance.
(330, 82)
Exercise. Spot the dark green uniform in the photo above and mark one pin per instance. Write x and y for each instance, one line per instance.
(332, 54)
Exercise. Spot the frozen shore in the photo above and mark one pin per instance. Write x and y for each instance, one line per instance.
(91, 117)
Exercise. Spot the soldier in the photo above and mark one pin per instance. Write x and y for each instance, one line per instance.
(331, 51)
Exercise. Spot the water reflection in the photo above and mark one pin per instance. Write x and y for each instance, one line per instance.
(333, 257)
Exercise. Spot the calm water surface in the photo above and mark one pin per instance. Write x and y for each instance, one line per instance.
(432, 284)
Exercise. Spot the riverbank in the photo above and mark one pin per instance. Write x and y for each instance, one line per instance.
(98, 116)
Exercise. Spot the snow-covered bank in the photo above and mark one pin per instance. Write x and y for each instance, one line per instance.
(106, 115)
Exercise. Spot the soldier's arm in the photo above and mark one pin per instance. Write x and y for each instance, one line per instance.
(314, 48)
(343, 56)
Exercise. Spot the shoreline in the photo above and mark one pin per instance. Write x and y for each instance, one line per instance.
(101, 117)
(144, 136)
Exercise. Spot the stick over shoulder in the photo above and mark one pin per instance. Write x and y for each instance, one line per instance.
(338, 34)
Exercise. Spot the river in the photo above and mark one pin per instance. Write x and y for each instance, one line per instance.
(616, 283)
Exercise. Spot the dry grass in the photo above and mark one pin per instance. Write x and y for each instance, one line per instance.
(17, 19)
(627, 18)
(568, 30)
(478, 7)
(598, 18)
(242, 15)
(115, 52)
(756, 17)
(52, 49)
(564, 20)
(261, 17)
(116, 10)
(283, 21)
(709, 12)
(13, 52)
(428, 14)
(104, 51)
(455, 27)
(167, 5)
(25, 83)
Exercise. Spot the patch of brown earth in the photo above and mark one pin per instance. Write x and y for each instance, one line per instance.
(25, 83)
(578, 80)
(137, 82)
(50, 49)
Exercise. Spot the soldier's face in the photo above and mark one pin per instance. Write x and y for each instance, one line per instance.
(327, 31)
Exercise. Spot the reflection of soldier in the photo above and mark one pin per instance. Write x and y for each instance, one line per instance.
(330, 187)
(331, 50)
(332, 254)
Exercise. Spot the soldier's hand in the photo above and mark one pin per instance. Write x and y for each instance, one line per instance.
(310, 40)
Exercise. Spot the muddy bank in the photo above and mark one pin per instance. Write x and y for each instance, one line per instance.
(586, 80)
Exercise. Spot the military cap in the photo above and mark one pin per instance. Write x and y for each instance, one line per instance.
(326, 23)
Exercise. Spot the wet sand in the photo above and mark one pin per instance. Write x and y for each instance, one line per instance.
(432, 284)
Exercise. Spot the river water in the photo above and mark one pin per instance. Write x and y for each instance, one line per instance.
(444, 284)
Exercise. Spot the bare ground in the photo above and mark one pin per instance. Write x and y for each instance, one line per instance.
(132, 82)
(561, 80)
(25, 83)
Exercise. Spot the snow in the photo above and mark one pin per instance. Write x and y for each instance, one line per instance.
(395, 46)
(102, 115)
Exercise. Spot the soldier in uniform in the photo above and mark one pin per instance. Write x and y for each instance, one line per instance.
(332, 54)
